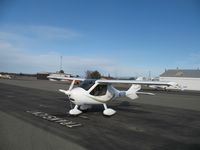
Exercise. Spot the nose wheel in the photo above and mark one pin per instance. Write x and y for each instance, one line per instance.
(108, 111)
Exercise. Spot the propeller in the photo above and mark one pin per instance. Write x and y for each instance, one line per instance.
(68, 92)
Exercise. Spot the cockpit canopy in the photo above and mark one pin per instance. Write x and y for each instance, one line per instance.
(87, 84)
(99, 90)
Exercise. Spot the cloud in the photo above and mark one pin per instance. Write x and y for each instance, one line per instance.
(33, 32)
(51, 32)
(17, 48)
(19, 60)
(14, 59)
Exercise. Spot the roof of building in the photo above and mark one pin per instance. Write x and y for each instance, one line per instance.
(187, 73)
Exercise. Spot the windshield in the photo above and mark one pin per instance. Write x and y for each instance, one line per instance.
(87, 84)
(99, 90)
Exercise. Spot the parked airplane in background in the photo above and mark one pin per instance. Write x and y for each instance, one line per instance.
(166, 88)
(91, 92)
(58, 77)
(5, 76)
(162, 87)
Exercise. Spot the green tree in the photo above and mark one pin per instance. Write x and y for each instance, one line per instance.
(61, 71)
(93, 74)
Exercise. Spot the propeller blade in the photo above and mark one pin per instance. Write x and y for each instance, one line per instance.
(71, 86)
(65, 92)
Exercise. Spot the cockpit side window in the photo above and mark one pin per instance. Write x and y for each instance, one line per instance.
(99, 90)
(87, 84)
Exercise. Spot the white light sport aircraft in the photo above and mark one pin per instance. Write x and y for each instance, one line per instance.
(91, 92)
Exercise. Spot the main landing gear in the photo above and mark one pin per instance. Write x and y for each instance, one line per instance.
(107, 112)
(75, 111)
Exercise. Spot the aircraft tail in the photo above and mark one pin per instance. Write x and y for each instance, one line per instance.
(131, 92)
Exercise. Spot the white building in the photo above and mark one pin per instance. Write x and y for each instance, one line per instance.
(188, 79)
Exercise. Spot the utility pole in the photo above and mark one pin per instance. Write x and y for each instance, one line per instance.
(149, 75)
(60, 63)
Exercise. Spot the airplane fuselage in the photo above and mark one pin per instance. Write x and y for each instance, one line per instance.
(80, 96)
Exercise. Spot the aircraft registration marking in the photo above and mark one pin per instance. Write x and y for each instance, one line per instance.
(61, 121)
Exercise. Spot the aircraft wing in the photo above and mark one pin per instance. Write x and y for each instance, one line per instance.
(66, 78)
(137, 82)
(76, 79)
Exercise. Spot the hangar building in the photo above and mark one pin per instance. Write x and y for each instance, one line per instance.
(188, 79)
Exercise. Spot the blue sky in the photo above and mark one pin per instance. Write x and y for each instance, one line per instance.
(117, 37)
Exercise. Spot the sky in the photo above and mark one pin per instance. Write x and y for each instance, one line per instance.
(116, 37)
